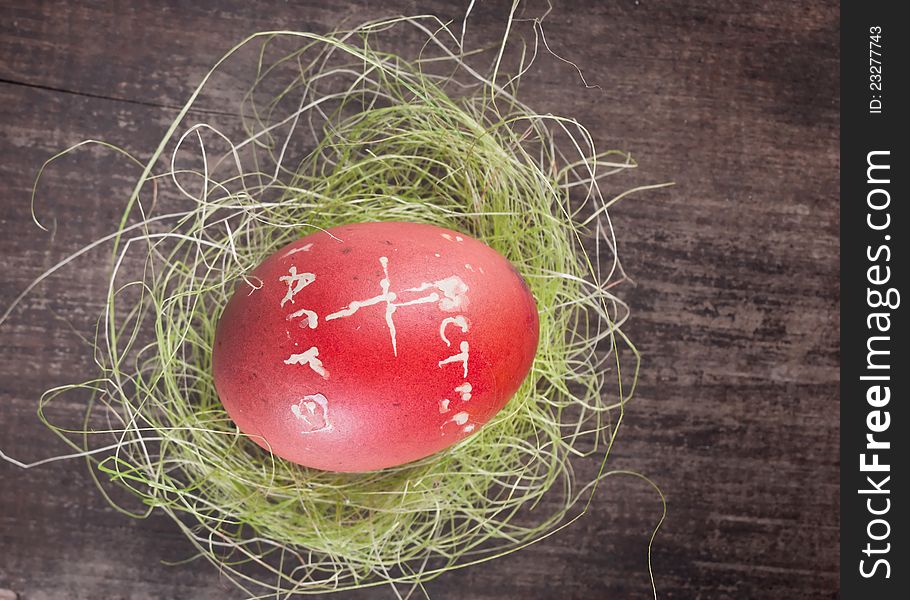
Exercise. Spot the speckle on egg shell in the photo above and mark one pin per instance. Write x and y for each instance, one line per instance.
(374, 344)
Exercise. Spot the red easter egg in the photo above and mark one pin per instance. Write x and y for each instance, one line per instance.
(374, 344)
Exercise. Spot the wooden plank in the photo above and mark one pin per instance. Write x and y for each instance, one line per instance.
(734, 307)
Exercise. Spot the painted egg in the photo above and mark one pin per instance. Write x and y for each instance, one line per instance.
(371, 345)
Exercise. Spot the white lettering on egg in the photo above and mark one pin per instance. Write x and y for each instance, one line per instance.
(313, 413)
(450, 294)
(312, 319)
(305, 248)
(465, 390)
(461, 357)
(310, 358)
(296, 282)
(454, 290)
(460, 321)
(460, 418)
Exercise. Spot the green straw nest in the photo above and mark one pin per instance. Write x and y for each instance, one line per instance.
(336, 131)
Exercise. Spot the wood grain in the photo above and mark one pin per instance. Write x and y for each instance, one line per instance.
(734, 306)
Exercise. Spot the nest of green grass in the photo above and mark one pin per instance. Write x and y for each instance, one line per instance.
(377, 138)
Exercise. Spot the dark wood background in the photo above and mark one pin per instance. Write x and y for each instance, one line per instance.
(735, 304)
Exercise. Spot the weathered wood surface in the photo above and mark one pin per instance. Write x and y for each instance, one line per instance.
(735, 303)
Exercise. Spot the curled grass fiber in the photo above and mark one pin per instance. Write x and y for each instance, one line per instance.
(337, 131)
